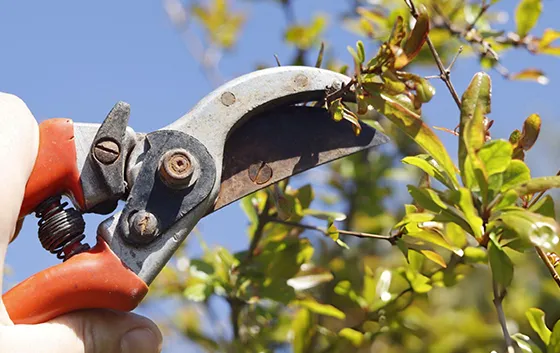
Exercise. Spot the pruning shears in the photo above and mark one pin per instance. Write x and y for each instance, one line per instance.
(251, 132)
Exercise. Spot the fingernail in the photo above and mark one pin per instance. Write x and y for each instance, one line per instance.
(140, 340)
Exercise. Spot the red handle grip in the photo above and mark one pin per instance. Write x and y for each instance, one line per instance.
(55, 171)
(93, 279)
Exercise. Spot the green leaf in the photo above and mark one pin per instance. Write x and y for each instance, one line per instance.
(415, 260)
(355, 337)
(416, 39)
(322, 309)
(197, 292)
(535, 75)
(336, 110)
(527, 14)
(507, 199)
(434, 257)
(531, 227)
(517, 172)
(305, 37)
(545, 207)
(470, 212)
(361, 51)
(344, 288)
(418, 282)
(536, 320)
(474, 255)
(420, 237)
(554, 344)
(531, 130)
(496, 156)
(427, 198)
(430, 200)
(401, 112)
(477, 96)
(537, 185)
(549, 36)
(429, 166)
(415, 218)
(525, 343)
(303, 328)
(325, 215)
(500, 263)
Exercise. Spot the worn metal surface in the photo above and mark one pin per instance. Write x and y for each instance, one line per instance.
(176, 168)
(288, 141)
(98, 197)
(143, 227)
(210, 123)
(172, 208)
(106, 151)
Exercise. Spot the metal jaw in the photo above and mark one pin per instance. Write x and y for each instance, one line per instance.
(169, 192)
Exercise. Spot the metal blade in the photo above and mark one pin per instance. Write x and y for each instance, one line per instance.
(283, 142)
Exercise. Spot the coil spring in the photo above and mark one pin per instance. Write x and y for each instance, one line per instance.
(61, 230)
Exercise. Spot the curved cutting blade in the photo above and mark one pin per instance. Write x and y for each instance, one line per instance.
(283, 142)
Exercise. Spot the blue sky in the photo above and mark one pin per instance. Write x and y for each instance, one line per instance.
(76, 59)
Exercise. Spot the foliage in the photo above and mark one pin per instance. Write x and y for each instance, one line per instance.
(433, 275)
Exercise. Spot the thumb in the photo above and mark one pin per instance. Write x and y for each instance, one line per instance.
(87, 331)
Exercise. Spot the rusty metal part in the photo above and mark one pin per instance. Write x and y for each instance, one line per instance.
(143, 226)
(176, 168)
(289, 141)
(107, 151)
(260, 173)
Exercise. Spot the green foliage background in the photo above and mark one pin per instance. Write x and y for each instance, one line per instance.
(464, 265)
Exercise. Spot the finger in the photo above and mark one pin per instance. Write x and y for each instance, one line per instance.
(18, 149)
(88, 331)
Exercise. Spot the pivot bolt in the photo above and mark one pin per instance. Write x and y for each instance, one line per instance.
(176, 168)
(143, 226)
(106, 151)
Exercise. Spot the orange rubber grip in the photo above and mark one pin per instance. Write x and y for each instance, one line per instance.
(90, 280)
(93, 279)
(55, 171)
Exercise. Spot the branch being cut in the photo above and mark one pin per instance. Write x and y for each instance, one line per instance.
(389, 238)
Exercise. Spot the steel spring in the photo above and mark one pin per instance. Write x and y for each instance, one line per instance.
(61, 230)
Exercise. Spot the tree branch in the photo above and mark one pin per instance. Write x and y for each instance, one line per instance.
(390, 238)
(498, 299)
(549, 265)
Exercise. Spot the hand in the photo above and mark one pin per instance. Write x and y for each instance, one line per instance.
(85, 331)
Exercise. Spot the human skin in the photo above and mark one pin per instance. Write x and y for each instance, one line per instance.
(90, 331)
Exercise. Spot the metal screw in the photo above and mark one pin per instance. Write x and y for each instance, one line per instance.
(260, 173)
(107, 151)
(228, 99)
(143, 226)
(176, 169)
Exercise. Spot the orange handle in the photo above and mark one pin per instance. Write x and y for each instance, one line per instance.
(93, 279)
(55, 171)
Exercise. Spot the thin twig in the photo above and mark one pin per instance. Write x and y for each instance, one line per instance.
(483, 8)
(469, 35)
(389, 238)
(548, 264)
(498, 299)
(444, 73)
(277, 60)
